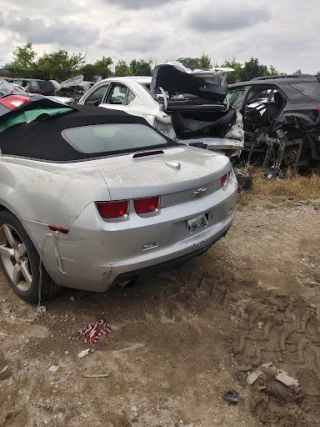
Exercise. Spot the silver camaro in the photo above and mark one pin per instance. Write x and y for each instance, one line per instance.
(90, 197)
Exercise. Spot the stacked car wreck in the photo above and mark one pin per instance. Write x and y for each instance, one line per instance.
(184, 103)
(281, 120)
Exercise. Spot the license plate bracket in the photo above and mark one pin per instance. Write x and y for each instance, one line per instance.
(199, 221)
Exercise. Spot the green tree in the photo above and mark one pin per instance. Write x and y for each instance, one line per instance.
(59, 65)
(23, 64)
(273, 71)
(252, 69)
(140, 68)
(102, 67)
(234, 76)
(298, 71)
(122, 69)
(89, 72)
(203, 62)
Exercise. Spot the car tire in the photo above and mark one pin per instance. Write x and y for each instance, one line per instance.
(244, 179)
(20, 262)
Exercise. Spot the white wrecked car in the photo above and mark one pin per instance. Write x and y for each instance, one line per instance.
(186, 104)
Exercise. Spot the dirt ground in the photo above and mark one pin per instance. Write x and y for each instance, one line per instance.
(252, 299)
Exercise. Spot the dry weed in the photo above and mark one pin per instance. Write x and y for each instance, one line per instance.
(300, 188)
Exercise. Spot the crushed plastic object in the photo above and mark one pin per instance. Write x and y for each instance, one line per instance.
(96, 375)
(93, 332)
(41, 309)
(286, 379)
(83, 353)
(231, 396)
(60, 381)
(53, 368)
(243, 368)
(253, 376)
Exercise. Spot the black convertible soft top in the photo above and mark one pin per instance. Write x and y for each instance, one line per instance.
(43, 140)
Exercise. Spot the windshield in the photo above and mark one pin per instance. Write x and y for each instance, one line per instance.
(114, 138)
(235, 97)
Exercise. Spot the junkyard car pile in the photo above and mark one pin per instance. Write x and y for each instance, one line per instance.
(119, 184)
(68, 91)
(281, 120)
(93, 196)
(185, 104)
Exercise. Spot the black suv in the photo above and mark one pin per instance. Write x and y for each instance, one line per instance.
(281, 117)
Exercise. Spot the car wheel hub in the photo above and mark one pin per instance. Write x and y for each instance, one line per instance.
(15, 258)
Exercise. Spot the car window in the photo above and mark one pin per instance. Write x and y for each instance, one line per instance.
(34, 85)
(97, 96)
(117, 94)
(20, 83)
(236, 97)
(130, 96)
(46, 86)
(111, 138)
(309, 89)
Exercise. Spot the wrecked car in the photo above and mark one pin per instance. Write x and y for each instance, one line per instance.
(281, 120)
(99, 197)
(41, 87)
(18, 95)
(11, 97)
(74, 88)
(184, 103)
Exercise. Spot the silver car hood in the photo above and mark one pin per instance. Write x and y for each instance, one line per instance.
(178, 169)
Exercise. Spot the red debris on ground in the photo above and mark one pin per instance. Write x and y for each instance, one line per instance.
(92, 333)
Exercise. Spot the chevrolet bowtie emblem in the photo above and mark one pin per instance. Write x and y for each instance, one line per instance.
(199, 193)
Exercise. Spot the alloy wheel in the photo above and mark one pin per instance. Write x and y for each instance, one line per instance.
(15, 258)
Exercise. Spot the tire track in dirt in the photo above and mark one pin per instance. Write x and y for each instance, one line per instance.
(270, 326)
(289, 338)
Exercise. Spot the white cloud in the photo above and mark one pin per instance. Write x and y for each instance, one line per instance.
(283, 33)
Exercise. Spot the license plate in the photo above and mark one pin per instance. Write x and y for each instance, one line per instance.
(197, 222)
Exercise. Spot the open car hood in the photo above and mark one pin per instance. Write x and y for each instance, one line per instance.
(7, 88)
(210, 84)
(74, 81)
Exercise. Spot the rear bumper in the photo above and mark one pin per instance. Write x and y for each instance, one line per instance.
(95, 254)
(167, 265)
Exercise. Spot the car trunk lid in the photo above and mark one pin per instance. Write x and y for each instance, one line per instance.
(167, 172)
(209, 84)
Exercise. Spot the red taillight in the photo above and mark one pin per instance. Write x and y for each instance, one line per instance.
(59, 229)
(112, 209)
(319, 109)
(224, 180)
(143, 206)
(14, 101)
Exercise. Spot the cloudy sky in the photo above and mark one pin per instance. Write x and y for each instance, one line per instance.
(285, 33)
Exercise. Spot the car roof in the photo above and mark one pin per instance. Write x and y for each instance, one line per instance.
(28, 80)
(277, 80)
(143, 80)
(42, 139)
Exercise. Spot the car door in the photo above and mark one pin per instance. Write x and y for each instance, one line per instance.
(119, 97)
(97, 96)
(123, 98)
